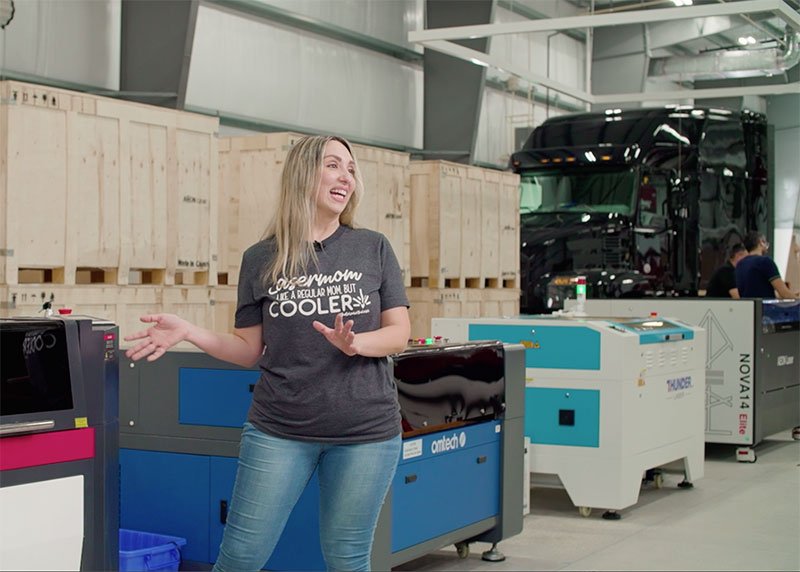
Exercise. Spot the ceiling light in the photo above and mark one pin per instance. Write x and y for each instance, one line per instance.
(682, 2)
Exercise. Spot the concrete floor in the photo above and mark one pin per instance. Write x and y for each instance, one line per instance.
(739, 516)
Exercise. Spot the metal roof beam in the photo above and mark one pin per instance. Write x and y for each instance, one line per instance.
(789, 15)
(777, 89)
(482, 59)
(779, 7)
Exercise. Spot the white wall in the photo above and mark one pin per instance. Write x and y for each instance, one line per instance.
(266, 72)
(389, 20)
(76, 41)
(784, 113)
(501, 112)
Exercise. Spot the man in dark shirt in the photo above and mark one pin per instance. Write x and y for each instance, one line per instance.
(756, 275)
(723, 282)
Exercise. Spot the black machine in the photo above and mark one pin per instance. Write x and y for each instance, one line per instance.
(641, 202)
(59, 436)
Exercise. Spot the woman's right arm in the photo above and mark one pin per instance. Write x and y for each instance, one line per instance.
(243, 347)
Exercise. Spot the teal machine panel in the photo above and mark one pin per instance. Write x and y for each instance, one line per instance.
(555, 416)
(555, 347)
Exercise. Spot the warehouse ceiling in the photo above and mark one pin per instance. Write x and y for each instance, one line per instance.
(724, 33)
(692, 43)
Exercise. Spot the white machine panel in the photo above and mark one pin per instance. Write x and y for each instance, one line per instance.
(41, 525)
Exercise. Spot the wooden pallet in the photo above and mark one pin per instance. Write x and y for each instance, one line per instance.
(89, 182)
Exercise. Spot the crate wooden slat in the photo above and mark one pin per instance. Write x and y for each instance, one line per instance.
(465, 226)
(95, 183)
(509, 249)
(250, 168)
(224, 307)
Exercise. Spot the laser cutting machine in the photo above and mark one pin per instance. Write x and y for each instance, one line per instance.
(752, 361)
(606, 401)
(460, 478)
(58, 444)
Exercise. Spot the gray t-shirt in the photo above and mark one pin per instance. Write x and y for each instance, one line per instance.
(309, 390)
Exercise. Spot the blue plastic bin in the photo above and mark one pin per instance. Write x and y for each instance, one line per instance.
(145, 551)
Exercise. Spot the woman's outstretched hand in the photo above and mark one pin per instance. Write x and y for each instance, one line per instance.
(166, 331)
(341, 335)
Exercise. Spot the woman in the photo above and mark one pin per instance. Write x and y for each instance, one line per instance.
(320, 307)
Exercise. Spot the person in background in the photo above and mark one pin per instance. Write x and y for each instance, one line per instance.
(756, 274)
(321, 306)
(723, 282)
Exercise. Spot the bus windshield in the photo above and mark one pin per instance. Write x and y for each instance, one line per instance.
(607, 191)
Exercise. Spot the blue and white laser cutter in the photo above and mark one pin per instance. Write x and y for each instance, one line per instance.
(606, 400)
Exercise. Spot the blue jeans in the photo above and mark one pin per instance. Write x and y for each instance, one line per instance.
(273, 473)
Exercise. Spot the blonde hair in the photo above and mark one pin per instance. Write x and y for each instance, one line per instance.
(292, 223)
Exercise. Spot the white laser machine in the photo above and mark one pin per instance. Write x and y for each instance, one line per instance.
(606, 400)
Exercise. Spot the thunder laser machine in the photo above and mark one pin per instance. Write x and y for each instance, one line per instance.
(606, 401)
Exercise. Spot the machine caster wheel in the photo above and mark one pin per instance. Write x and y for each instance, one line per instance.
(463, 549)
(796, 433)
(584, 511)
(658, 480)
(611, 515)
(745, 455)
(493, 554)
(684, 484)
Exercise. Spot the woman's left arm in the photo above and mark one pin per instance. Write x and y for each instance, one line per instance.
(390, 338)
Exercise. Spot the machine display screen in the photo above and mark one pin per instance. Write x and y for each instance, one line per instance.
(780, 315)
(34, 367)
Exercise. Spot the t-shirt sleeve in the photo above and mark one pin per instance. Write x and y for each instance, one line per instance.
(392, 291)
(769, 269)
(248, 308)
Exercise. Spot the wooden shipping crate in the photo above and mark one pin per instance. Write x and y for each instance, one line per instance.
(120, 304)
(465, 226)
(500, 302)
(123, 305)
(428, 303)
(224, 303)
(249, 180)
(104, 186)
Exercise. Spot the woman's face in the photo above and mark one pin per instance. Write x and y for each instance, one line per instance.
(337, 181)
